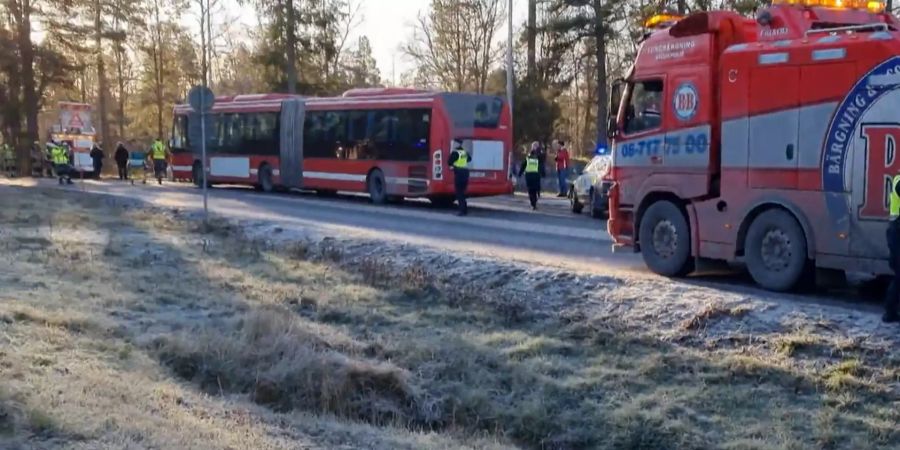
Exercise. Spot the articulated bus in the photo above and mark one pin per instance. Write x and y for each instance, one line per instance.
(390, 143)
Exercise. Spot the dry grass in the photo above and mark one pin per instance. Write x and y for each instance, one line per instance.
(159, 334)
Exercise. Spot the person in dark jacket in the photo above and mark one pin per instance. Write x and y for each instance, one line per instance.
(121, 158)
(97, 158)
(532, 171)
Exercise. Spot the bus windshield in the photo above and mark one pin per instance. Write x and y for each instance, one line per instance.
(474, 111)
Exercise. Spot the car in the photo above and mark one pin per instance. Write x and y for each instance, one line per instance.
(590, 189)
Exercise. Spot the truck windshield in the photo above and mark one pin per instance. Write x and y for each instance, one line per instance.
(474, 111)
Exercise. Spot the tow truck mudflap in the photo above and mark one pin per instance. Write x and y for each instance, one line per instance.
(624, 248)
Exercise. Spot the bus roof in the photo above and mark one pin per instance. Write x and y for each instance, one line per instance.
(357, 97)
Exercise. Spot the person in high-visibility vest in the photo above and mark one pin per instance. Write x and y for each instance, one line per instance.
(459, 162)
(59, 156)
(531, 168)
(9, 159)
(892, 299)
(158, 153)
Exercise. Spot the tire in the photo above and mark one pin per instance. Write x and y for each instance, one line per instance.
(377, 187)
(596, 212)
(441, 202)
(665, 240)
(577, 207)
(265, 179)
(775, 251)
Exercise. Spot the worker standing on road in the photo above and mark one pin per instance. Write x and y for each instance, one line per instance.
(562, 168)
(59, 156)
(531, 168)
(9, 160)
(459, 162)
(121, 157)
(97, 159)
(158, 153)
(892, 300)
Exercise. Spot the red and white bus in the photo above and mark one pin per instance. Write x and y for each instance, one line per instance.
(391, 143)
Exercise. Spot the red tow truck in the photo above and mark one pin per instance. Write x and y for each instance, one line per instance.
(770, 141)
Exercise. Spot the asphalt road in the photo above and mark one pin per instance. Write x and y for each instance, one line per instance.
(500, 227)
(497, 227)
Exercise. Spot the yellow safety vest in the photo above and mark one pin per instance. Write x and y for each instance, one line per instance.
(462, 159)
(59, 155)
(531, 165)
(895, 199)
(159, 150)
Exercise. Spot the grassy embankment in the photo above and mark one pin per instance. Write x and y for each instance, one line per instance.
(125, 328)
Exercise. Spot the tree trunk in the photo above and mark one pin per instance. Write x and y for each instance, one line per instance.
(602, 93)
(682, 6)
(102, 84)
(532, 39)
(209, 44)
(120, 80)
(158, 69)
(291, 44)
(204, 65)
(120, 75)
(22, 12)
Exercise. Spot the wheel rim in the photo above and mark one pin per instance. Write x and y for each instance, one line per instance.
(775, 251)
(665, 239)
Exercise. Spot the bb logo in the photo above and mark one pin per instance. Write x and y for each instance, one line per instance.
(883, 162)
(686, 101)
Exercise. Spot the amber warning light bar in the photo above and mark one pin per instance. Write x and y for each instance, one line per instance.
(873, 6)
(662, 21)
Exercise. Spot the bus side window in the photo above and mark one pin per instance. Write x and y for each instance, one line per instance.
(412, 130)
(313, 135)
(382, 135)
(357, 140)
(179, 134)
(335, 133)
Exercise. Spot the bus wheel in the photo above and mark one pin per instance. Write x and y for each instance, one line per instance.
(265, 179)
(775, 251)
(665, 240)
(377, 187)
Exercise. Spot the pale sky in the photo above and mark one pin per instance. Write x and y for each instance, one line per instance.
(388, 24)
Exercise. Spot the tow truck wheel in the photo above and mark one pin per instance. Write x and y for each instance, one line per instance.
(377, 187)
(775, 251)
(265, 179)
(577, 207)
(665, 240)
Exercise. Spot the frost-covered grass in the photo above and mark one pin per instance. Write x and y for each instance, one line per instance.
(128, 327)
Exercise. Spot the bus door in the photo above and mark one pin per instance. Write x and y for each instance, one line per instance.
(293, 114)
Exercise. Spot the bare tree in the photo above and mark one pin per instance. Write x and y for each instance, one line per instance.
(453, 46)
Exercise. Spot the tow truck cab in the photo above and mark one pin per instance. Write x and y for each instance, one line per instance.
(724, 117)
